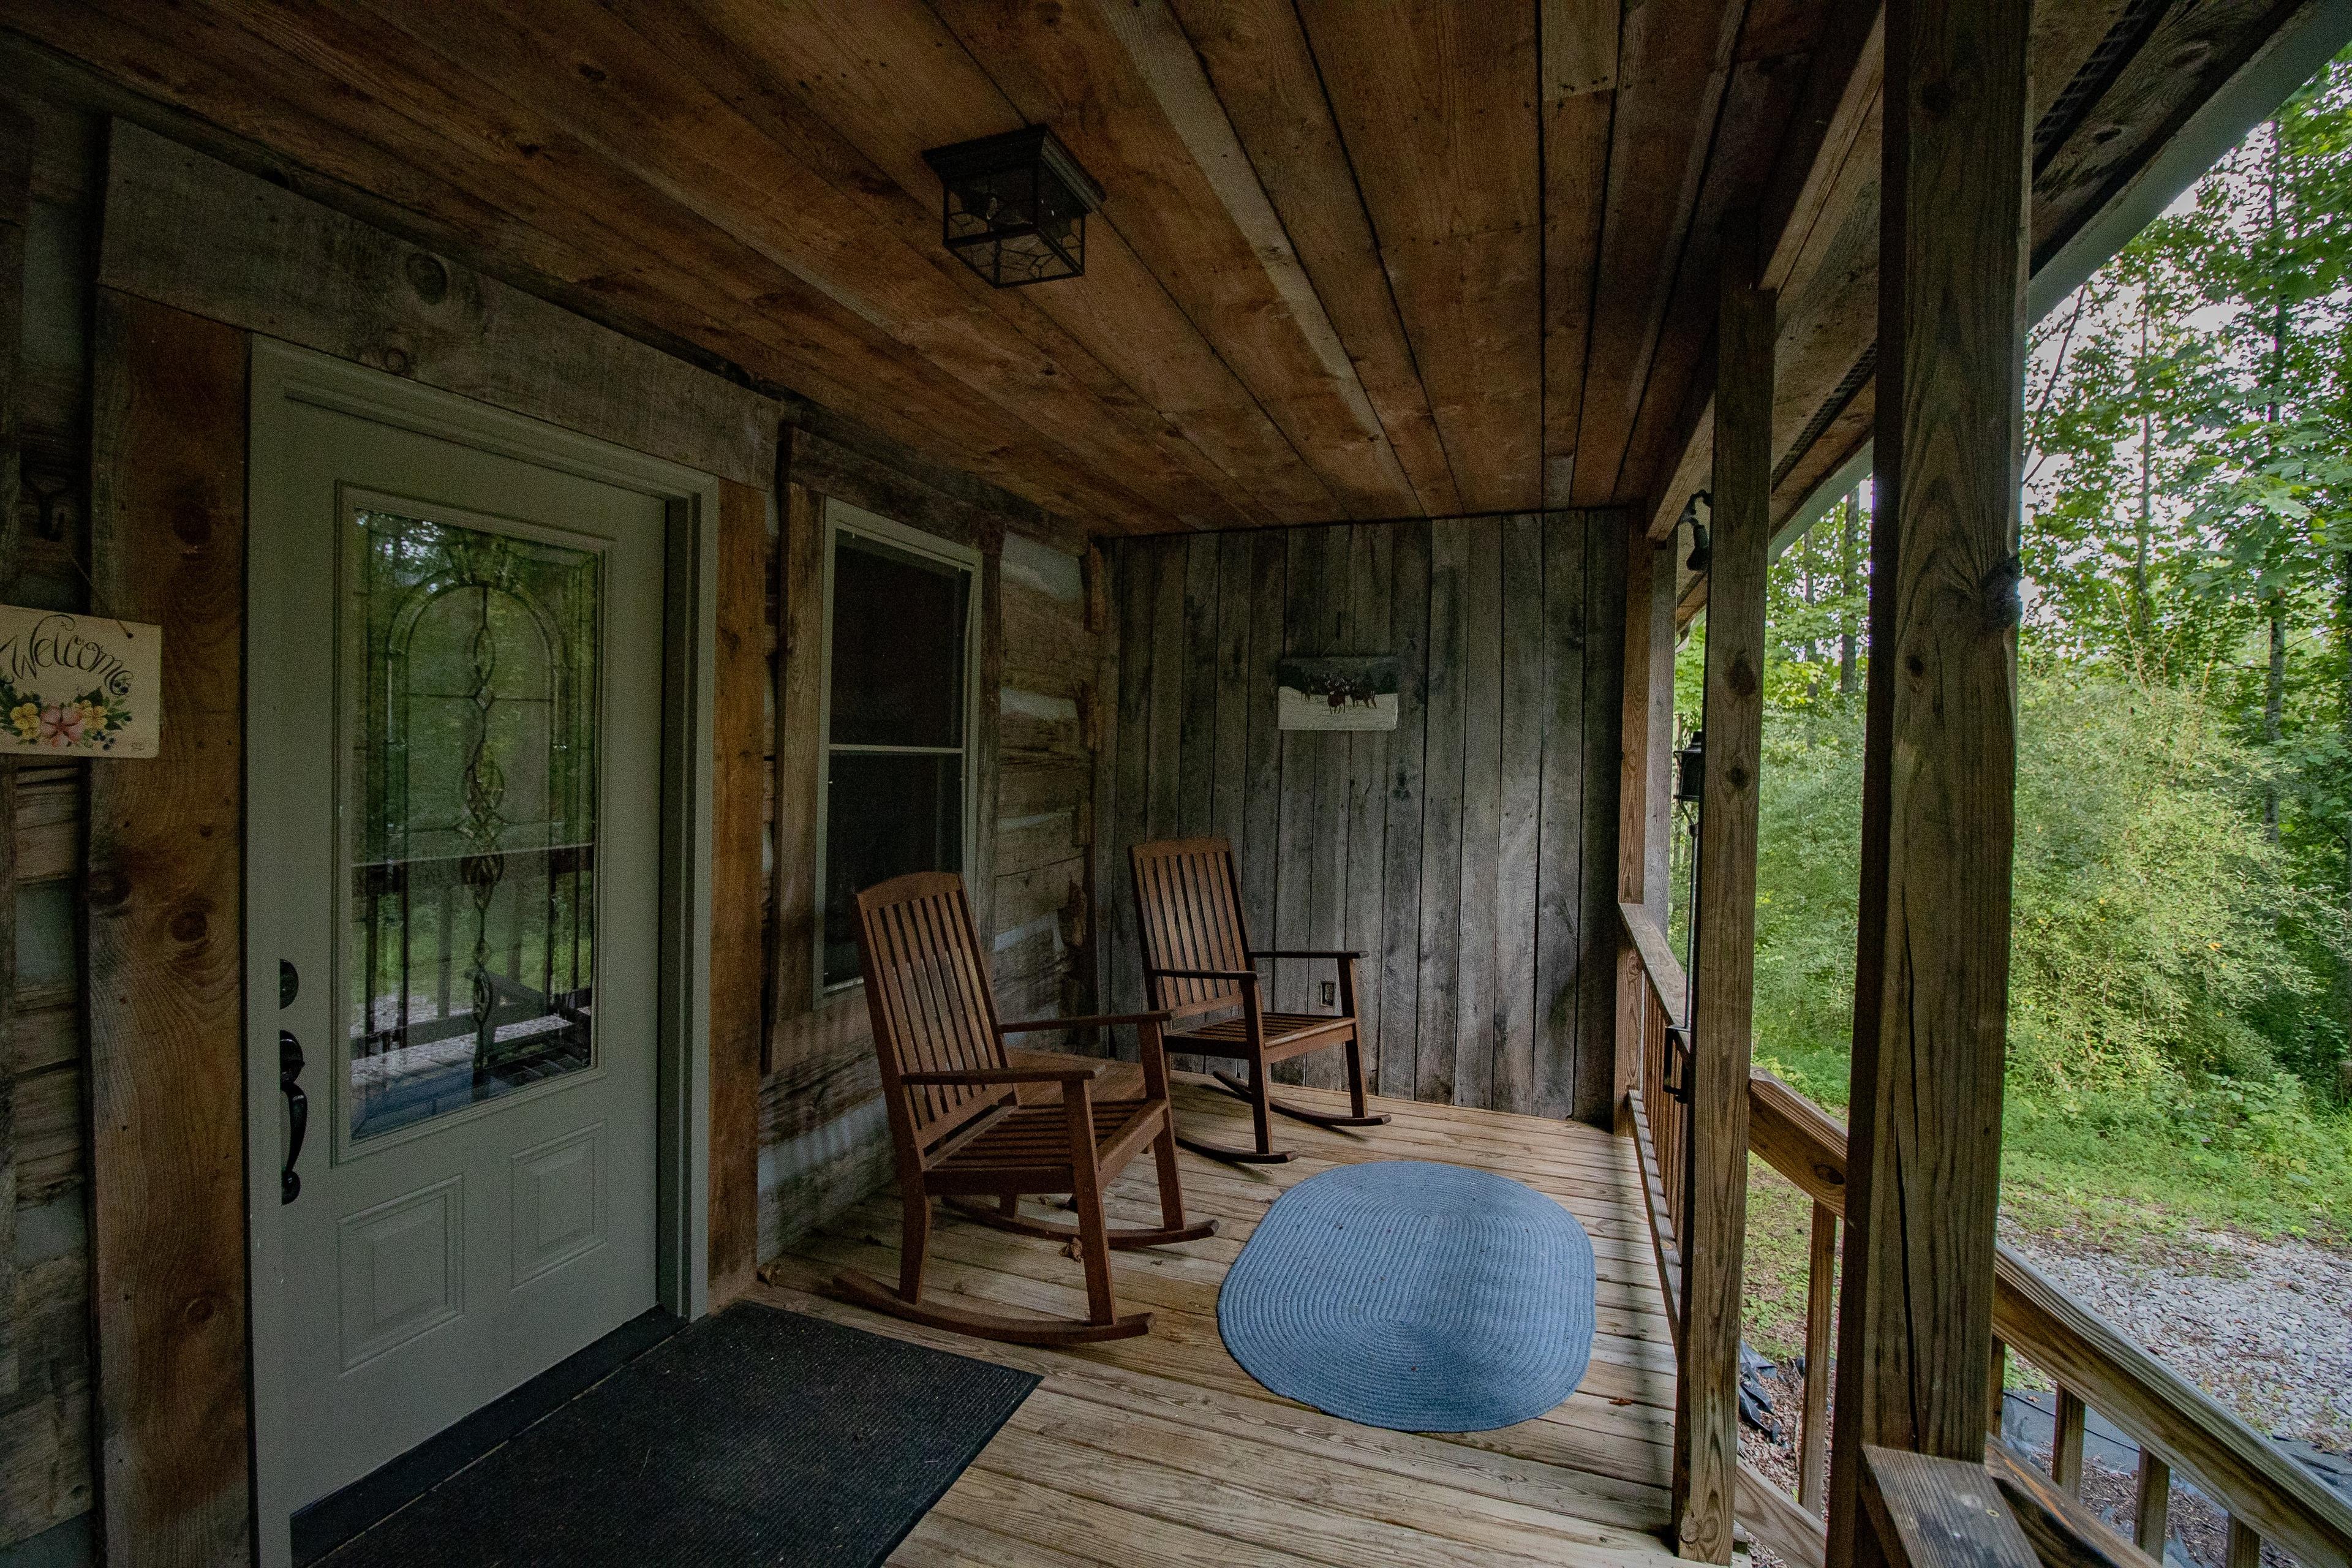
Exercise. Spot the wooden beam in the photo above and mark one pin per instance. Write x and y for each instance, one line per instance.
(1256, 56)
(1580, 41)
(1932, 976)
(194, 234)
(793, 894)
(166, 948)
(1707, 1424)
(1438, 106)
(1305, 368)
(16, 134)
(738, 955)
(1674, 66)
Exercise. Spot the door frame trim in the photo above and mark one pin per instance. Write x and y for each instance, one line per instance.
(282, 373)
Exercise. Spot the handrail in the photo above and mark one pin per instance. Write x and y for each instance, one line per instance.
(1657, 955)
(2147, 1401)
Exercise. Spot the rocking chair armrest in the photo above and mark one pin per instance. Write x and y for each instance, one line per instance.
(986, 1077)
(1302, 952)
(1247, 976)
(1096, 1021)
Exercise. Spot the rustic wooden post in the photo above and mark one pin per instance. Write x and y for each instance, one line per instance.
(1707, 1424)
(1931, 986)
(1645, 784)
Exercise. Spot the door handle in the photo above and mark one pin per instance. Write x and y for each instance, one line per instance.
(298, 1109)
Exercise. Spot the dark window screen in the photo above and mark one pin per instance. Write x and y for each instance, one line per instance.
(897, 647)
(895, 766)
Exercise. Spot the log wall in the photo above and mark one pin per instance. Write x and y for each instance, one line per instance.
(824, 1142)
(49, 178)
(1470, 853)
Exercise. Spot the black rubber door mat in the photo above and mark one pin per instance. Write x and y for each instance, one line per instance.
(756, 1437)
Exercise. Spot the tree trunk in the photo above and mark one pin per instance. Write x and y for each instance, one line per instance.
(2143, 523)
(2344, 719)
(1849, 531)
(2273, 709)
(2274, 682)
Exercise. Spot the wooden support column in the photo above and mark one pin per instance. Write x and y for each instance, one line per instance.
(738, 958)
(167, 949)
(15, 212)
(1706, 1411)
(1931, 986)
(1645, 782)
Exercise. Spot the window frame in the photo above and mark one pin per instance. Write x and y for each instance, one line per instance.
(841, 518)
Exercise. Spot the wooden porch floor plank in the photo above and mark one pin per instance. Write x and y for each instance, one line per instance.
(1163, 1452)
(1499, 1472)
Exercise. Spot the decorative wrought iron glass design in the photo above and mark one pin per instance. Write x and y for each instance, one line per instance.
(1015, 207)
(471, 741)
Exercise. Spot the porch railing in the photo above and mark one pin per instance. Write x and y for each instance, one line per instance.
(2267, 1495)
(1658, 1099)
(2179, 1428)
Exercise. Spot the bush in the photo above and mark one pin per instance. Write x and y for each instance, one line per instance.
(2154, 1003)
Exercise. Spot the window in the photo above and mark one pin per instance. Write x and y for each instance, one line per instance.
(900, 655)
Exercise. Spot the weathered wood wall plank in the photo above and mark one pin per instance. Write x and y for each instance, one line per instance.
(1451, 851)
(197, 234)
(1475, 1004)
(1401, 910)
(1438, 1048)
(1525, 714)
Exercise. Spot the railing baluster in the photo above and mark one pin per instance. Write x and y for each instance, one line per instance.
(2245, 1549)
(1821, 1307)
(2066, 1443)
(2152, 1506)
(1998, 1398)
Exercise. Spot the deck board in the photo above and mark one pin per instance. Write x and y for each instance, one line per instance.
(1162, 1451)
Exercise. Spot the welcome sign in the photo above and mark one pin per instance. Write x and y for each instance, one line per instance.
(79, 686)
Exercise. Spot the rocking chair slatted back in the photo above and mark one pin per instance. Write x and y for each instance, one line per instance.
(927, 992)
(1189, 898)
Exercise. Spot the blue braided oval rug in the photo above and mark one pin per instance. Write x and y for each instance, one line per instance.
(1420, 1297)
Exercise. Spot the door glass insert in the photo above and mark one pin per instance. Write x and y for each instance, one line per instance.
(469, 725)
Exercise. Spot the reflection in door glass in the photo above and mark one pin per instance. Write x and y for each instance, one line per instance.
(469, 726)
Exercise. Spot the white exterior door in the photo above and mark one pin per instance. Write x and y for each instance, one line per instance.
(455, 668)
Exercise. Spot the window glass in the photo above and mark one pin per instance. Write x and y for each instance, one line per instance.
(470, 727)
(897, 647)
(896, 769)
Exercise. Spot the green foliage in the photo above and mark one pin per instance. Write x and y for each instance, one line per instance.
(2148, 985)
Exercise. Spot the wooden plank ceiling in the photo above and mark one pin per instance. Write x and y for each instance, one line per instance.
(1358, 258)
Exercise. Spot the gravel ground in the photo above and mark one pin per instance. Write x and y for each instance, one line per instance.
(2264, 1327)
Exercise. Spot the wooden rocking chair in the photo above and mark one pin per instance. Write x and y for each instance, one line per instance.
(1197, 960)
(960, 1133)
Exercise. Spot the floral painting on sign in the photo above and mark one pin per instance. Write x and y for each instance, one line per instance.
(79, 685)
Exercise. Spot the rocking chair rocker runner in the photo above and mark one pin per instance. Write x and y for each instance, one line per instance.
(1197, 960)
(960, 1133)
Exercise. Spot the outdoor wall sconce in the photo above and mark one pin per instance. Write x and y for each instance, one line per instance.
(1690, 769)
(1015, 207)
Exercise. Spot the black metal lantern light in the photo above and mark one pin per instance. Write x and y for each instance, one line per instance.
(1015, 207)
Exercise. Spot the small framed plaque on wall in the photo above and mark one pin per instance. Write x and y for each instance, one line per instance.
(79, 686)
(1338, 693)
